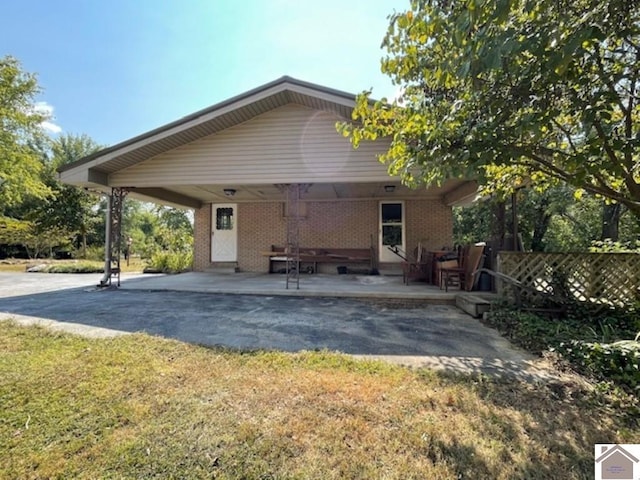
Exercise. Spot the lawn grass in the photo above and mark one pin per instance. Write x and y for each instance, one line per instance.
(143, 407)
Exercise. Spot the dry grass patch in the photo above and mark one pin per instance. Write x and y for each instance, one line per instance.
(136, 265)
(142, 407)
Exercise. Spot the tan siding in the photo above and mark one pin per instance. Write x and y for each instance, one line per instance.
(290, 144)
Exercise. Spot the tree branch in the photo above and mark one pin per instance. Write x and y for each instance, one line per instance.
(605, 141)
(566, 133)
(607, 79)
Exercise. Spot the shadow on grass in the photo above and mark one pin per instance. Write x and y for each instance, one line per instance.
(553, 439)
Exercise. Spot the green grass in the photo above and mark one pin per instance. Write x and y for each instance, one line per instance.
(142, 407)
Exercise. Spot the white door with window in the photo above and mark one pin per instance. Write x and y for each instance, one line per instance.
(391, 232)
(224, 232)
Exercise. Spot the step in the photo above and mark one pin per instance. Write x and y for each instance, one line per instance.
(472, 304)
(223, 267)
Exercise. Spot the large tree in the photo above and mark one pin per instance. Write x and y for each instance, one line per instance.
(508, 90)
(21, 135)
(68, 207)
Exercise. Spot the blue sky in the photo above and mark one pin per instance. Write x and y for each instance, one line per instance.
(117, 68)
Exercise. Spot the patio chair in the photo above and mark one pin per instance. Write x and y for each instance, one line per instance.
(417, 267)
(462, 275)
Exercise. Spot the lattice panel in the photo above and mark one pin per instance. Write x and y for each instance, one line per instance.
(601, 278)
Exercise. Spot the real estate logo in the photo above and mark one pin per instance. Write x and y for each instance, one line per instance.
(617, 462)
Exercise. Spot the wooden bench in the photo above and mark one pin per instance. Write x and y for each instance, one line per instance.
(315, 256)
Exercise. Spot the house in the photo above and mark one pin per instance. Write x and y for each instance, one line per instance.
(616, 463)
(231, 163)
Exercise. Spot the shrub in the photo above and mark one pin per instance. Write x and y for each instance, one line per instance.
(93, 252)
(617, 362)
(530, 331)
(595, 343)
(78, 267)
(609, 246)
(171, 262)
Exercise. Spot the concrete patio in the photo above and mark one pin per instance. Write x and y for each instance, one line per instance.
(317, 285)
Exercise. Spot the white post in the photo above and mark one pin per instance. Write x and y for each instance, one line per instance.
(107, 246)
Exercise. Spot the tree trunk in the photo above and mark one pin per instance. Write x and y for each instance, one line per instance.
(499, 226)
(541, 222)
(610, 221)
(84, 244)
(540, 227)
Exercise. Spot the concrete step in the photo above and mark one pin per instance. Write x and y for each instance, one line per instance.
(223, 267)
(472, 304)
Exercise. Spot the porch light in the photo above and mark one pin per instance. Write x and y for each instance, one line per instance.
(389, 188)
(229, 192)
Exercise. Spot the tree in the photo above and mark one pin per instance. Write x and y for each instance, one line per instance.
(511, 89)
(20, 135)
(70, 207)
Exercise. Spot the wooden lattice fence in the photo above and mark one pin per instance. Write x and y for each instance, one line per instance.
(600, 278)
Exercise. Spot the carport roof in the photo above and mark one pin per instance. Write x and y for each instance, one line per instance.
(93, 171)
(213, 119)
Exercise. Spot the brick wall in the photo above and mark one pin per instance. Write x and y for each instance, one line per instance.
(202, 238)
(260, 225)
(429, 222)
(347, 224)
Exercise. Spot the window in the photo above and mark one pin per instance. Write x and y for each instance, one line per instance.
(224, 219)
(391, 222)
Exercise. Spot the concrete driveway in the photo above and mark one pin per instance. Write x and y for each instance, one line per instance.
(438, 336)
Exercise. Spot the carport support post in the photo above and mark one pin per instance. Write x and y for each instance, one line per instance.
(113, 236)
(106, 278)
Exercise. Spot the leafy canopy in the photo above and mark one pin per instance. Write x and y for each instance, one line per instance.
(504, 90)
(21, 136)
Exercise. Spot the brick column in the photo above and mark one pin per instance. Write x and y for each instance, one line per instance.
(202, 238)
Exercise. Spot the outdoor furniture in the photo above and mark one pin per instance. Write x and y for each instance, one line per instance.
(417, 267)
(315, 256)
(462, 274)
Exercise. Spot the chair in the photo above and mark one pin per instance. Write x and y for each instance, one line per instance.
(462, 275)
(417, 267)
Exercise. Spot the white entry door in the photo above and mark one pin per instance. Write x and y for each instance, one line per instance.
(224, 232)
(391, 232)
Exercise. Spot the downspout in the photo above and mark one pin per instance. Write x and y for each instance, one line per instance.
(107, 246)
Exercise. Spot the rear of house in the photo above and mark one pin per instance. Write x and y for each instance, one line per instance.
(232, 163)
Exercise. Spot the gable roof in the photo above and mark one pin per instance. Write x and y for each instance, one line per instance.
(618, 449)
(215, 118)
(164, 145)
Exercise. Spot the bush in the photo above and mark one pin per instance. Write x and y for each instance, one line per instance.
(171, 262)
(617, 362)
(595, 343)
(530, 331)
(93, 252)
(80, 267)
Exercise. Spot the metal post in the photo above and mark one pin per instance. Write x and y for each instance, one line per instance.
(113, 236)
(293, 235)
(106, 278)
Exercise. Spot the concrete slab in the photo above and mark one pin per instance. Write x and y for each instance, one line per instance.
(317, 285)
(436, 336)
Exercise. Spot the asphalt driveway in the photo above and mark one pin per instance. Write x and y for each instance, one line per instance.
(432, 335)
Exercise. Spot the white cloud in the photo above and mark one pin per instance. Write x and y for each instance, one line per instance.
(47, 110)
